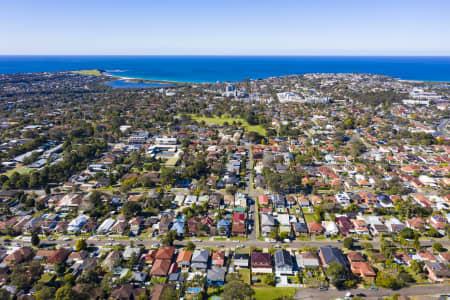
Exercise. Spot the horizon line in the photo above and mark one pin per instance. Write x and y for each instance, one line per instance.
(237, 55)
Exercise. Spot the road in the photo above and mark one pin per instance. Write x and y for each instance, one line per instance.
(442, 127)
(416, 290)
(210, 243)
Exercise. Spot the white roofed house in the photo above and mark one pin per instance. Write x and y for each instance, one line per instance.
(70, 200)
(76, 224)
(105, 226)
(330, 228)
(283, 263)
(267, 223)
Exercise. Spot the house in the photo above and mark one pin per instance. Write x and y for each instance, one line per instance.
(363, 269)
(307, 260)
(283, 262)
(238, 229)
(59, 256)
(178, 226)
(267, 223)
(148, 258)
(218, 258)
(215, 200)
(192, 225)
(329, 254)
(330, 228)
(76, 224)
(135, 225)
(278, 201)
(111, 260)
(299, 228)
(402, 258)
(77, 257)
(261, 262)
(164, 223)
(416, 223)
(223, 226)
(165, 253)
(130, 252)
(241, 260)
(18, 256)
(215, 276)
(200, 259)
(160, 267)
(315, 228)
(345, 225)
(127, 291)
(263, 200)
(157, 291)
(184, 258)
(437, 272)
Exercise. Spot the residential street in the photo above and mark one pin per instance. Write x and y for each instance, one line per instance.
(429, 289)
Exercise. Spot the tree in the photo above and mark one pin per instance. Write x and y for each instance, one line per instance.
(273, 234)
(416, 243)
(190, 246)
(169, 238)
(337, 274)
(169, 294)
(80, 245)
(45, 293)
(65, 293)
(284, 235)
(269, 279)
(433, 233)
(35, 241)
(348, 242)
(59, 268)
(237, 290)
(131, 209)
(388, 280)
(4, 294)
(407, 233)
(438, 247)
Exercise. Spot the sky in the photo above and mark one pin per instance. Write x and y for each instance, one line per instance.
(227, 27)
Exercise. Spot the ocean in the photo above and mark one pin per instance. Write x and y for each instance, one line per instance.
(233, 68)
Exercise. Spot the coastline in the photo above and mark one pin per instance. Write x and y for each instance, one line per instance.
(140, 80)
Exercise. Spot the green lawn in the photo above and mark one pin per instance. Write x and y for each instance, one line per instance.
(20, 170)
(221, 120)
(245, 275)
(92, 72)
(310, 218)
(269, 293)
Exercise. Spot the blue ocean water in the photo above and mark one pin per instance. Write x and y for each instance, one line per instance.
(125, 84)
(233, 68)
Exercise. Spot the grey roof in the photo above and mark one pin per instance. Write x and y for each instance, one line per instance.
(217, 274)
(300, 227)
(200, 256)
(332, 254)
(282, 257)
(267, 220)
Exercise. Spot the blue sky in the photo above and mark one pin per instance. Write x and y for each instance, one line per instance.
(298, 27)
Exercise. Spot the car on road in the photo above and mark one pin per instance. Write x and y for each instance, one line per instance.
(66, 239)
(155, 245)
(240, 246)
(51, 239)
(235, 241)
(348, 295)
(323, 288)
(220, 246)
(277, 246)
(361, 295)
(372, 288)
